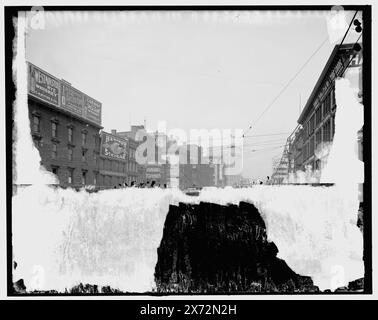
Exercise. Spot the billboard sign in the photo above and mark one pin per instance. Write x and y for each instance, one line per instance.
(92, 109)
(43, 86)
(113, 147)
(61, 94)
(72, 100)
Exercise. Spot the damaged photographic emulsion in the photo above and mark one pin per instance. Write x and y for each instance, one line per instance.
(164, 151)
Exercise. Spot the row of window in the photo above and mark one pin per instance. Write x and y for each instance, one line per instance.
(98, 179)
(323, 134)
(70, 177)
(117, 166)
(320, 113)
(54, 130)
(54, 153)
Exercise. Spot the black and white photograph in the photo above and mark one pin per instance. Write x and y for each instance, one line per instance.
(168, 151)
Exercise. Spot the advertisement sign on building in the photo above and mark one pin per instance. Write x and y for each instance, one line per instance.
(61, 94)
(153, 172)
(43, 86)
(92, 109)
(113, 147)
(72, 100)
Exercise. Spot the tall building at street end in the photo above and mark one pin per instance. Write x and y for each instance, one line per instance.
(194, 170)
(65, 125)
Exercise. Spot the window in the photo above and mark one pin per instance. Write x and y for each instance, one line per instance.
(318, 137)
(54, 153)
(83, 155)
(327, 104)
(318, 115)
(70, 135)
(95, 178)
(70, 153)
(54, 170)
(333, 100)
(312, 124)
(95, 157)
(317, 164)
(53, 129)
(83, 138)
(70, 175)
(84, 177)
(311, 151)
(327, 131)
(36, 123)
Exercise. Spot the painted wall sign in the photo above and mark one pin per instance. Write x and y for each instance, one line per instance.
(72, 100)
(43, 86)
(113, 147)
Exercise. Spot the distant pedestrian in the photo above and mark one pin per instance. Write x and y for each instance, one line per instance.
(152, 184)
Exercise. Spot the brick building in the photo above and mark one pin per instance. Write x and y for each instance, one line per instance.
(194, 171)
(135, 171)
(318, 116)
(65, 126)
(112, 164)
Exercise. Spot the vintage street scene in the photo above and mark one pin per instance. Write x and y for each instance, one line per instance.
(189, 152)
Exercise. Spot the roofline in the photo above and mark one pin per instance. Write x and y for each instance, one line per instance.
(115, 135)
(321, 78)
(64, 112)
(318, 83)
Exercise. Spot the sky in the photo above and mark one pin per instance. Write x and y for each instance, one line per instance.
(192, 70)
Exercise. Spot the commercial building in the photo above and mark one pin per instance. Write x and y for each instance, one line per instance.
(113, 162)
(65, 125)
(216, 162)
(308, 146)
(318, 116)
(194, 171)
(132, 170)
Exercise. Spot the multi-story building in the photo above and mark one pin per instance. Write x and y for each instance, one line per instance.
(216, 161)
(65, 126)
(136, 171)
(113, 162)
(308, 146)
(193, 171)
(318, 115)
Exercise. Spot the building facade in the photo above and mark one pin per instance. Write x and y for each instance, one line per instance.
(194, 171)
(318, 116)
(113, 168)
(308, 146)
(135, 170)
(65, 126)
